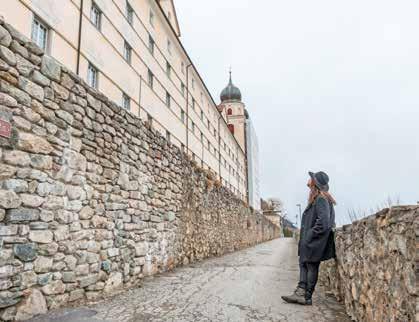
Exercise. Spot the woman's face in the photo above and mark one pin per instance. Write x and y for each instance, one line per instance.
(310, 183)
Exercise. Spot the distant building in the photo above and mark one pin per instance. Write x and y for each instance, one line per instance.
(252, 157)
(240, 125)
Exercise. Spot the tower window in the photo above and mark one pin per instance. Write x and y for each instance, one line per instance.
(168, 136)
(182, 116)
(231, 128)
(92, 76)
(96, 16)
(40, 33)
(229, 111)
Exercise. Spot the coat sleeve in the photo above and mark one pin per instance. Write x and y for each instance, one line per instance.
(321, 224)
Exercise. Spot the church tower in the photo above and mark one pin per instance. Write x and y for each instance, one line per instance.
(234, 112)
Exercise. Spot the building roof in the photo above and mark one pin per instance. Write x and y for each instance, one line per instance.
(231, 92)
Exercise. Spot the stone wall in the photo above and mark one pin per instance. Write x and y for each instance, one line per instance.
(91, 197)
(377, 267)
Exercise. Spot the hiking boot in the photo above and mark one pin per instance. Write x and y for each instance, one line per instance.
(306, 300)
(296, 297)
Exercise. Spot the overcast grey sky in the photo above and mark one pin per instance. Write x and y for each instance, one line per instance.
(330, 85)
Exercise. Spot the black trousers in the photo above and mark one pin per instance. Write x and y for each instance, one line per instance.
(309, 273)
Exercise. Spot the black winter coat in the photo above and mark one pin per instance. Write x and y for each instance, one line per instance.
(317, 241)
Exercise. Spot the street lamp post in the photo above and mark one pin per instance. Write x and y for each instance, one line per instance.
(299, 207)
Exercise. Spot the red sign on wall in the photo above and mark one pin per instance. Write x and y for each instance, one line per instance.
(5, 129)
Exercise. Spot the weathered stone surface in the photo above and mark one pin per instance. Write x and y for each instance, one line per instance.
(5, 38)
(7, 55)
(31, 88)
(9, 199)
(22, 215)
(43, 264)
(40, 236)
(113, 282)
(50, 68)
(33, 201)
(33, 304)
(6, 171)
(40, 79)
(55, 287)
(91, 198)
(35, 144)
(15, 157)
(17, 185)
(9, 298)
(25, 252)
(7, 100)
(376, 261)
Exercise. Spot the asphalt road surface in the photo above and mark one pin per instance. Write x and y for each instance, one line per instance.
(243, 286)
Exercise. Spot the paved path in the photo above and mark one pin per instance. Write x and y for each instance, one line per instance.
(243, 286)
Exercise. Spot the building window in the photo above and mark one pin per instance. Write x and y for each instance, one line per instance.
(193, 127)
(126, 101)
(202, 98)
(151, 44)
(168, 69)
(182, 116)
(127, 52)
(229, 111)
(92, 76)
(182, 67)
(40, 34)
(209, 145)
(193, 104)
(149, 119)
(169, 46)
(96, 16)
(193, 83)
(130, 13)
(202, 115)
(202, 137)
(151, 18)
(182, 88)
(208, 124)
(168, 136)
(167, 99)
(150, 78)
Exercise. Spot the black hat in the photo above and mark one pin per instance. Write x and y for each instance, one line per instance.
(321, 180)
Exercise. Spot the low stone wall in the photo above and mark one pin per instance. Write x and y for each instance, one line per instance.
(92, 198)
(377, 266)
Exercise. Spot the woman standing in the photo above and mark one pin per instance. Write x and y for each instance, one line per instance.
(316, 242)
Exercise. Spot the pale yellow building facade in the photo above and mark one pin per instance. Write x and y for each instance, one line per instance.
(131, 52)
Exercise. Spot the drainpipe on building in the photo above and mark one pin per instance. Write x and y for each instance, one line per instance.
(79, 38)
(187, 108)
(139, 98)
(219, 148)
